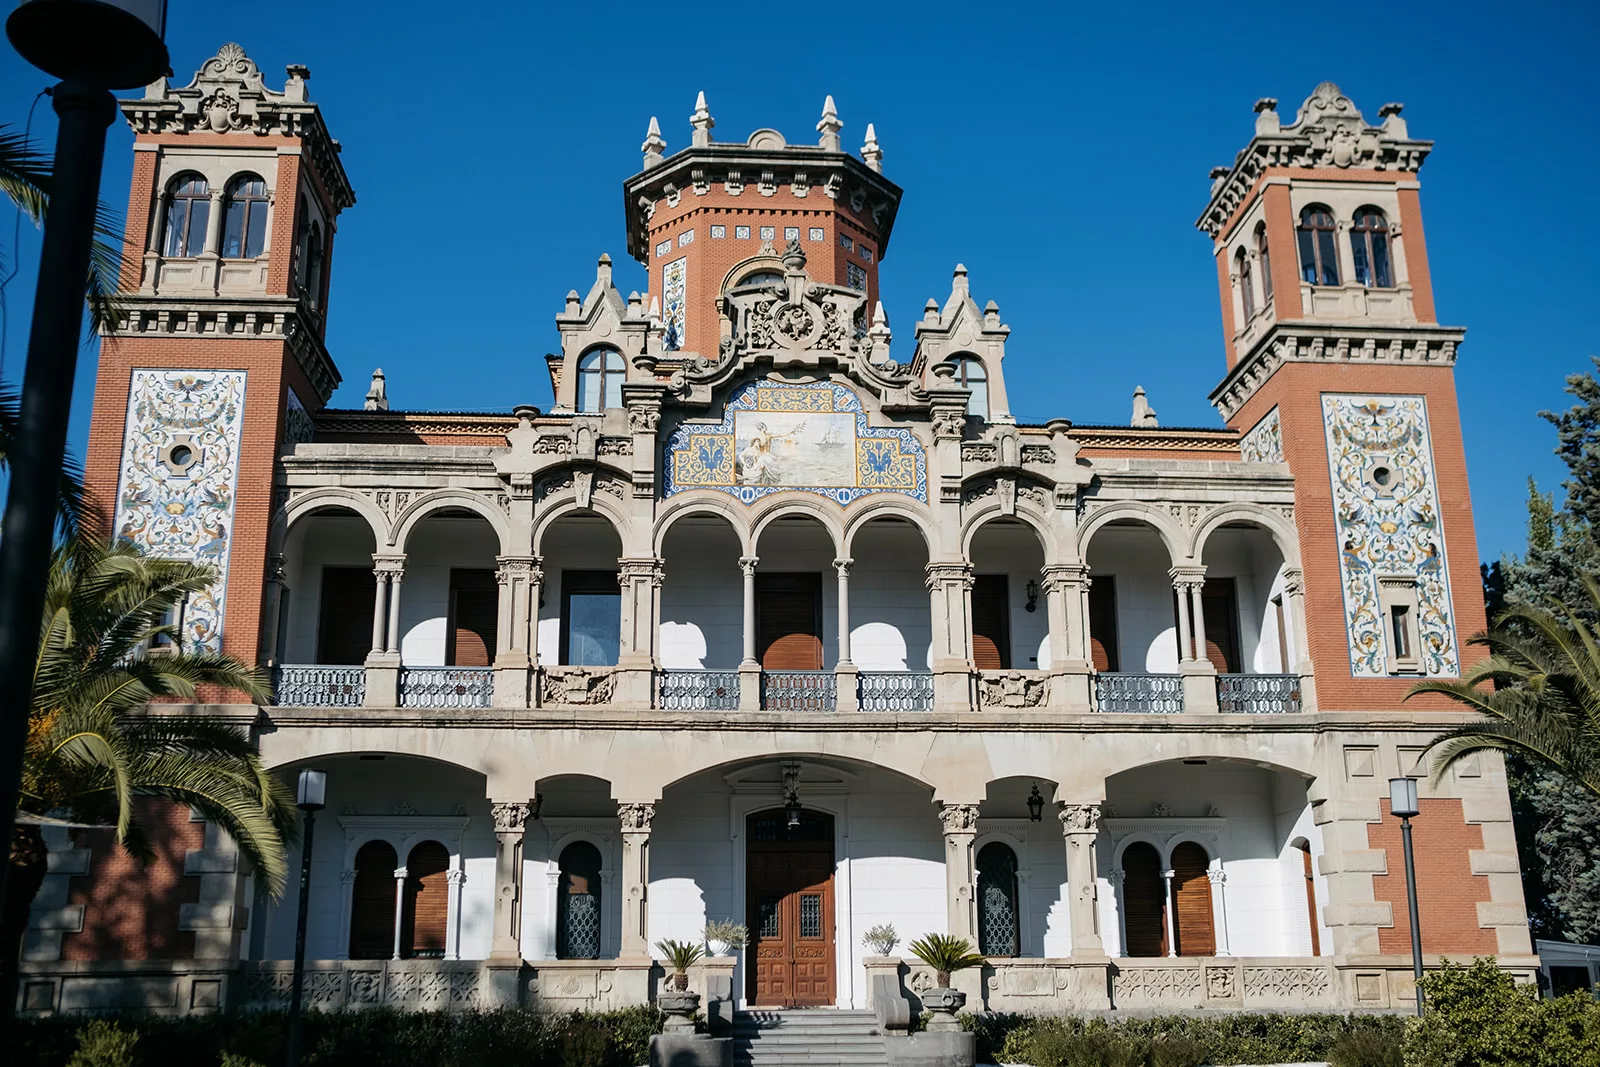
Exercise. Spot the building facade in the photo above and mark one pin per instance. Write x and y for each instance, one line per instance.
(775, 617)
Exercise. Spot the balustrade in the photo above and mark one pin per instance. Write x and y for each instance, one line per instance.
(446, 687)
(895, 690)
(316, 686)
(1258, 694)
(798, 690)
(1138, 693)
(697, 690)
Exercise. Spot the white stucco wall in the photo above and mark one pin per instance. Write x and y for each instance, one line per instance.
(314, 543)
(1013, 549)
(1135, 558)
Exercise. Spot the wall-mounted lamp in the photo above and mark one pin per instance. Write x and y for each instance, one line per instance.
(791, 804)
(1033, 595)
(1035, 804)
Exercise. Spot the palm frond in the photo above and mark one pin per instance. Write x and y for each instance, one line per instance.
(25, 174)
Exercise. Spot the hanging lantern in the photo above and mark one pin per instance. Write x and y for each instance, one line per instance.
(1035, 804)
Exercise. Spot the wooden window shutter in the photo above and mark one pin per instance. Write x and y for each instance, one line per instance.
(991, 618)
(789, 621)
(1191, 892)
(344, 620)
(1311, 899)
(372, 902)
(427, 902)
(1144, 894)
(1222, 625)
(474, 618)
(1103, 623)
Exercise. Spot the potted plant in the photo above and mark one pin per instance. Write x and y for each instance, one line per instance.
(725, 937)
(945, 953)
(681, 955)
(881, 939)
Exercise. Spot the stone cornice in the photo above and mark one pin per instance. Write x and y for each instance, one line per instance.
(433, 423)
(1309, 342)
(825, 173)
(1158, 439)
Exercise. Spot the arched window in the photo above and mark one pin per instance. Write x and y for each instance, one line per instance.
(1369, 246)
(1144, 902)
(998, 931)
(578, 903)
(600, 380)
(761, 277)
(372, 902)
(188, 210)
(970, 373)
(244, 230)
(1265, 257)
(426, 913)
(1319, 263)
(313, 285)
(1247, 284)
(1191, 901)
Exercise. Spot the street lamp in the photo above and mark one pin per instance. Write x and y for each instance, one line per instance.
(92, 47)
(310, 796)
(1403, 804)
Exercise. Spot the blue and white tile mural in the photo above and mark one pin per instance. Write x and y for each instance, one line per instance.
(1264, 442)
(812, 437)
(1386, 505)
(179, 473)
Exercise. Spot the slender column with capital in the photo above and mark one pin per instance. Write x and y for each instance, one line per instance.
(846, 677)
(400, 876)
(510, 820)
(452, 950)
(635, 819)
(514, 576)
(1118, 879)
(1199, 676)
(347, 888)
(394, 611)
(1219, 907)
(1197, 598)
(380, 610)
(1294, 595)
(1185, 633)
(1167, 912)
(1080, 826)
(383, 662)
(960, 823)
(749, 668)
(641, 579)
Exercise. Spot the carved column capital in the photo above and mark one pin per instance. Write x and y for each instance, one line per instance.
(1065, 577)
(1187, 577)
(747, 565)
(945, 573)
(636, 818)
(1079, 818)
(1294, 581)
(509, 816)
(388, 566)
(959, 818)
(642, 568)
(842, 565)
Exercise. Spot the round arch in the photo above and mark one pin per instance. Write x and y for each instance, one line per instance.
(565, 503)
(1025, 514)
(1174, 540)
(784, 504)
(905, 761)
(749, 266)
(883, 509)
(705, 503)
(1281, 528)
(329, 498)
(1290, 755)
(453, 498)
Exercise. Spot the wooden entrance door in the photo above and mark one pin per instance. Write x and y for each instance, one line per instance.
(789, 622)
(789, 879)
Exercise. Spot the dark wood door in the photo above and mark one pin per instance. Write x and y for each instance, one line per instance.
(1103, 623)
(789, 879)
(1222, 625)
(789, 622)
(344, 621)
(372, 902)
(1144, 903)
(991, 623)
(473, 633)
(1311, 898)
(427, 902)
(1191, 901)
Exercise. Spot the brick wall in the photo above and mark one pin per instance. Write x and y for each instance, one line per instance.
(1447, 891)
(130, 909)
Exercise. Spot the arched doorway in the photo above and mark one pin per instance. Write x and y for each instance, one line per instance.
(578, 903)
(372, 902)
(789, 912)
(424, 922)
(1144, 903)
(1191, 901)
(998, 927)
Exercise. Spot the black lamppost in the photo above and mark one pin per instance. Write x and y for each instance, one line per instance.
(310, 797)
(1403, 804)
(93, 47)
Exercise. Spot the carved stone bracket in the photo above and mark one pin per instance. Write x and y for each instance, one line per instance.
(1079, 818)
(1012, 689)
(635, 818)
(510, 817)
(576, 685)
(958, 818)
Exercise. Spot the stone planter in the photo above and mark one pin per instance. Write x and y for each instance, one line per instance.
(680, 1009)
(943, 1003)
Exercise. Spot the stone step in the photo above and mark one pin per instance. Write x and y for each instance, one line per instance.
(817, 1037)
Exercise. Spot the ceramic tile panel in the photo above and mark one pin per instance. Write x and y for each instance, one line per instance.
(675, 301)
(1264, 442)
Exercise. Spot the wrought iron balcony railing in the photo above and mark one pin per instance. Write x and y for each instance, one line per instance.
(895, 690)
(1258, 694)
(1161, 694)
(446, 687)
(697, 690)
(299, 685)
(798, 690)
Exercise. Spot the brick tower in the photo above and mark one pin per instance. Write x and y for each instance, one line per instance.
(219, 357)
(1338, 366)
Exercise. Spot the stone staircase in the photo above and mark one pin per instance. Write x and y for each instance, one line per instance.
(817, 1037)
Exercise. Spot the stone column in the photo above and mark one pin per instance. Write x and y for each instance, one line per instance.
(845, 674)
(211, 252)
(1117, 879)
(641, 580)
(1180, 589)
(960, 871)
(1080, 826)
(510, 820)
(400, 876)
(1199, 676)
(749, 668)
(1170, 903)
(1066, 587)
(380, 609)
(452, 934)
(383, 662)
(515, 575)
(635, 819)
(395, 578)
(950, 590)
(1294, 596)
(1219, 908)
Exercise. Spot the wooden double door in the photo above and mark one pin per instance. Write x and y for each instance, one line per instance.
(790, 910)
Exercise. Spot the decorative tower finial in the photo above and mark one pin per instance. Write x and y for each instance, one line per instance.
(702, 121)
(1267, 120)
(871, 154)
(1143, 413)
(878, 336)
(377, 393)
(654, 146)
(830, 126)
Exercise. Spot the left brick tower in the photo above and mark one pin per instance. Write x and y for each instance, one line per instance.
(219, 359)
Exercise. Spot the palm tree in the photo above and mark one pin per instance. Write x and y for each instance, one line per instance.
(73, 514)
(106, 650)
(1543, 694)
(25, 177)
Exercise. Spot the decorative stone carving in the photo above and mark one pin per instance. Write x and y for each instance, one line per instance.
(1012, 689)
(644, 419)
(1290, 984)
(1157, 984)
(948, 424)
(576, 685)
(1080, 818)
(635, 818)
(1221, 983)
(958, 818)
(509, 816)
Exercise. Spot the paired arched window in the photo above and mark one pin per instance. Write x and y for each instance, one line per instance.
(425, 914)
(970, 373)
(1369, 247)
(600, 375)
(244, 230)
(1146, 902)
(1265, 257)
(1247, 284)
(313, 282)
(999, 931)
(1191, 901)
(1319, 262)
(578, 903)
(372, 902)
(188, 211)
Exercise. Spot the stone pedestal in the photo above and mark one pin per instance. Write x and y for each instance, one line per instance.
(689, 1050)
(1199, 687)
(886, 996)
(383, 680)
(932, 1050)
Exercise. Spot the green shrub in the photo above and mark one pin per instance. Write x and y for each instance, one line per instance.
(1176, 1050)
(1478, 1016)
(1367, 1048)
(233, 1059)
(104, 1044)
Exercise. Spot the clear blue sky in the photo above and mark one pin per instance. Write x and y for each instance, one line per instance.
(1059, 151)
